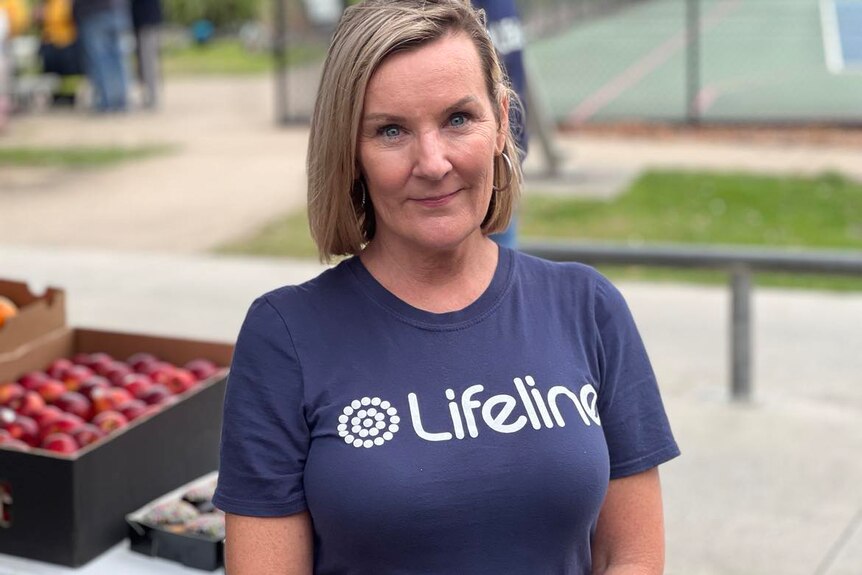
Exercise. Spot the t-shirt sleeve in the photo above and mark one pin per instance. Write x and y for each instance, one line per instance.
(265, 437)
(633, 418)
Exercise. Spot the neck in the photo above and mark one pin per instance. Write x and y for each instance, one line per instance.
(438, 281)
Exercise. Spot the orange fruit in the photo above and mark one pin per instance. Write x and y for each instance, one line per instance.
(7, 309)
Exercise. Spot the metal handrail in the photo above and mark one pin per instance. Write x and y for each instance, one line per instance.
(739, 263)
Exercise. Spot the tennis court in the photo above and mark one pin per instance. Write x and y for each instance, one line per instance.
(759, 61)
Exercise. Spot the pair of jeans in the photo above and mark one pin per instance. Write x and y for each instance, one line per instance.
(101, 39)
(149, 73)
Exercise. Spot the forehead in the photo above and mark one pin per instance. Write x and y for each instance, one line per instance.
(440, 71)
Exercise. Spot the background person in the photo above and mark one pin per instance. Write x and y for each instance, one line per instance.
(147, 17)
(60, 49)
(102, 25)
(504, 26)
(14, 20)
(436, 403)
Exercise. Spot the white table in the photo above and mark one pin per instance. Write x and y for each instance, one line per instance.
(118, 560)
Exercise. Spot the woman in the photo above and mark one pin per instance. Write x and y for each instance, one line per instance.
(434, 404)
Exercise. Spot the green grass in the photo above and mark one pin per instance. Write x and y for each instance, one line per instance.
(287, 236)
(706, 208)
(228, 56)
(699, 208)
(82, 157)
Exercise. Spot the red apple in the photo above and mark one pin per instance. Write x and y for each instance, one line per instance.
(11, 392)
(202, 368)
(60, 442)
(30, 405)
(47, 416)
(180, 380)
(87, 434)
(136, 383)
(159, 372)
(66, 423)
(75, 375)
(30, 381)
(89, 385)
(91, 360)
(105, 399)
(59, 367)
(117, 372)
(76, 404)
(132, 409)
(51, 389)
(19, 427)
(157, 394)
(109, 421)
(138, 360)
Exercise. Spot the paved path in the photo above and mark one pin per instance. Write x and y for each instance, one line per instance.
(762, 489)
(232, 172)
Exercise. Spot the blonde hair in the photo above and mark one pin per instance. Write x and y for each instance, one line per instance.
(340, 218)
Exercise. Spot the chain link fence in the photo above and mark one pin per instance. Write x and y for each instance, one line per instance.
(715, 61)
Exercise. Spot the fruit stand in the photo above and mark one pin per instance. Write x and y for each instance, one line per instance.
(93, 426)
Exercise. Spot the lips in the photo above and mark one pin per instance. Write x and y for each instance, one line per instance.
(435, 201)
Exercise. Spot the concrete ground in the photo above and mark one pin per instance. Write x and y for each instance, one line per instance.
(774, 487)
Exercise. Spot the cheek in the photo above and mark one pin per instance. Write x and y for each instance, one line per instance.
(477, 162)
(383, 169)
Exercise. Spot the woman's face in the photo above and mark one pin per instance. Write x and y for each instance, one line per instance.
(427, 144)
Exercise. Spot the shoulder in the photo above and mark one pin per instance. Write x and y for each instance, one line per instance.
(583, 284)
(310, 297)
(566, 274)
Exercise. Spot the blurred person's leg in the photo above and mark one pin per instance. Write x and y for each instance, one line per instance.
(5, 73)
(117, 80)
(148, 64)
(95, 34)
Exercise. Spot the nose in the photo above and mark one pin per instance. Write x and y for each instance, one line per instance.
(432, 157)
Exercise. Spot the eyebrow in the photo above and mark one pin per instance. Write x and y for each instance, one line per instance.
(394, 118)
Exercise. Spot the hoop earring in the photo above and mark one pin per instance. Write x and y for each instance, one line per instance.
(510, 169)
(363, 199)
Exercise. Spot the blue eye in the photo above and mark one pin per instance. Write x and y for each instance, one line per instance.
(390, 131)
(458, 120)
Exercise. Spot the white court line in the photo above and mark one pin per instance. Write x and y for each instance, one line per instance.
(831, 37)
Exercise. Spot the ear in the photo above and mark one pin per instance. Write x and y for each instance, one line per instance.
(503, 130)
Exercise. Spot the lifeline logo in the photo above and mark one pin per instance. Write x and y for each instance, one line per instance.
(372, 422)
(541, 411)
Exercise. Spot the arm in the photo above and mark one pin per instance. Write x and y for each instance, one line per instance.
(629, 537)
(268, 545)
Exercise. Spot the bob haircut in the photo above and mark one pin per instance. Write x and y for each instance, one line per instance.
(367, 33)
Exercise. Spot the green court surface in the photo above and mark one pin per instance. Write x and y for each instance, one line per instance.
(760, 61)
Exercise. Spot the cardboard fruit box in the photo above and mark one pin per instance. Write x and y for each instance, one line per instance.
(67, 509)
(37, 315)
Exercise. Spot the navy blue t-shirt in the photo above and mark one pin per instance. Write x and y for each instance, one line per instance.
(479, 441)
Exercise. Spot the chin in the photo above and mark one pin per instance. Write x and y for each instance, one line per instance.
(444, 239)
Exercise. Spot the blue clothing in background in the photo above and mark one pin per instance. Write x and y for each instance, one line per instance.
(102, 26)
(504, 25)
(479, 441)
